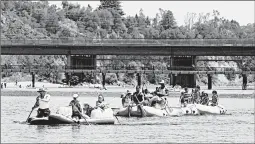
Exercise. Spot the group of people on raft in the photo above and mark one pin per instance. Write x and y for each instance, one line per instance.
(140, 98)
(42, 103)
(198, 97)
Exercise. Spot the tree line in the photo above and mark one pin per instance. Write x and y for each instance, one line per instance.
(39, 20)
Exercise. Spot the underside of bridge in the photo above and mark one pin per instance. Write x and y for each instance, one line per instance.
(89, 62)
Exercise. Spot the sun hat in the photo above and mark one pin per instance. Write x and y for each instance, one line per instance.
(41, 90)
(162, 82)
(75, 95)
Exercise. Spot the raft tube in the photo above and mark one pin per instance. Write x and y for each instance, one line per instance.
(98, 116)
(146, 111)
(213, 110)
(38, 121)
(190, 109)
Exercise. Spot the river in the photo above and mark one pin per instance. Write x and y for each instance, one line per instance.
(238, 126)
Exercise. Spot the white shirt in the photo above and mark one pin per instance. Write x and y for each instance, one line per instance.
(44, 102)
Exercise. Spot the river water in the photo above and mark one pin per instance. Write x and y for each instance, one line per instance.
(238, 126)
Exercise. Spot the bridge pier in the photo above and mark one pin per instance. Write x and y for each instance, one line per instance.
(195, 75)
(209, 81)
(103, 80)
(33, 79)
(244, 86)
(68, 75)
(139, 79)
(181, 63)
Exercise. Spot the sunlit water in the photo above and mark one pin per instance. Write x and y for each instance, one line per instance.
(237, 127)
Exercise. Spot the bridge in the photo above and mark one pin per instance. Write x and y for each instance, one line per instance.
(164, 47)
(75, 49)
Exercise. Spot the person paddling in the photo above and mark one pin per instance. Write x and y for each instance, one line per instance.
(76, 108)
(42, 101)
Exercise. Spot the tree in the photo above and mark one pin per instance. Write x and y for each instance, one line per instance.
(168, 20)
(112, 4)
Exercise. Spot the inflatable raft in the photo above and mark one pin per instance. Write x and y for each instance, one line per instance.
(98, 116)
(38, 121)
(145, 111)
(190, 109)
(214, 110)
(63, 116)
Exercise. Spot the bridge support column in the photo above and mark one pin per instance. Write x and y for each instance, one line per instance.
(244, 86)
(139, 79)
(33, 79)
(209, 81)
(195, 75)
(103, 80)
(68, 75)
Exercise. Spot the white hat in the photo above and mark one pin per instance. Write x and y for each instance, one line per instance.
(162, 82)
(75, 95)
(41, 90)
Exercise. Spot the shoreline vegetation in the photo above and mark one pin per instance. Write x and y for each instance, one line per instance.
(23, 20)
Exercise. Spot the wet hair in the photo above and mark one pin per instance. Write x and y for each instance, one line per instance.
(214, 92)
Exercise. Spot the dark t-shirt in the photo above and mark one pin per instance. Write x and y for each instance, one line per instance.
(139, 96)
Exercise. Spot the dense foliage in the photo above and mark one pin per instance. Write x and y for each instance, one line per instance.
(39, 20)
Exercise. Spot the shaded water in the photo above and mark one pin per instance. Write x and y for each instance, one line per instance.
(237, 127)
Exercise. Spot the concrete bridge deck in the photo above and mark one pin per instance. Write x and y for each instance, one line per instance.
(173, 47)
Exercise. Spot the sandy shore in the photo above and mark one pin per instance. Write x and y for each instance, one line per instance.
(60, 90)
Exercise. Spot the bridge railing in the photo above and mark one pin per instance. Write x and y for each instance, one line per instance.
(172, 42)
(118, 67)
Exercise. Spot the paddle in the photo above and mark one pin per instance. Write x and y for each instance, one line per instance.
(117, 119)
(29, 114)
(80, 114)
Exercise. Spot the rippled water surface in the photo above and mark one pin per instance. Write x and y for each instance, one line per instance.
(237, 127)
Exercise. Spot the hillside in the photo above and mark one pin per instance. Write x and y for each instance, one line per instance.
(39, 20)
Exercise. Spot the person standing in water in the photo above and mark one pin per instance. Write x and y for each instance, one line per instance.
(76, 107)
(42, 101)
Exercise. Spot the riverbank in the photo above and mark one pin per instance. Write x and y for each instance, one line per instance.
(116, 90)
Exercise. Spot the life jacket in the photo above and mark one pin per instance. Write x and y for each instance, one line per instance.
(77, 105)
(44, 102)
(204, 100)
(196, 95)
(186, 95)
